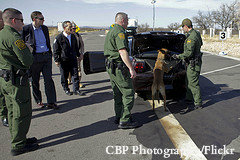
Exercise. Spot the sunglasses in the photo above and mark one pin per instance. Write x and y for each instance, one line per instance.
(39, 18)
(74, 28)
(18, 19)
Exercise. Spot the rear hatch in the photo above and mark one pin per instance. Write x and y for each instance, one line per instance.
(150, 41)
(145, 48)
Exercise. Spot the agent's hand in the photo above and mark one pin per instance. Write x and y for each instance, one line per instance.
(133, 73)
(57, 63)
(175, 56)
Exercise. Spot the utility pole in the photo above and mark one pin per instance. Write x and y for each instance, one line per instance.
(153, 2)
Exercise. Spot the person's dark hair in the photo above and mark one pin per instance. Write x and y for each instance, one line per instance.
(64, 24)
(10, 13)
(34, 14)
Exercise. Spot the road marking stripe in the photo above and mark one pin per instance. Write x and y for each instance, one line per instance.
(225, 56)
(187, 149)
(220, 69)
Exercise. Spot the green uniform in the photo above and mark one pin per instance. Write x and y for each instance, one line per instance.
(193, 57)
(121, 82)
(3, 108)
(15, 54)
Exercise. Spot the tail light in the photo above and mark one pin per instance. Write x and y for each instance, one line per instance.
(139, 66)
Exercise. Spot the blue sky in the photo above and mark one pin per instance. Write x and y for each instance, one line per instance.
(102, 12)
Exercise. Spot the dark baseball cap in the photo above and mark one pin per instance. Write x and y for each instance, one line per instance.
(186, 22)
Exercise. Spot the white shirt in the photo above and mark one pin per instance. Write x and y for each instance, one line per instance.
(68, 37)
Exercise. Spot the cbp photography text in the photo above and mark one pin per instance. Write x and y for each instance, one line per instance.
(167, 152)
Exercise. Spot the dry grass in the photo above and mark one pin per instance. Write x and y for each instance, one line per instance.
(230, 46)
(234, 39)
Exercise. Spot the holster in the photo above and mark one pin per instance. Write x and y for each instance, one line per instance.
(112, 65)
(123, 68)
(11, 75)
(23, 76)
(194, 62)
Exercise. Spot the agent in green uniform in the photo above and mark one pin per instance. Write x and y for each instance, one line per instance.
(15, 60)
(3, 108)
(121, 71)
(193, 57)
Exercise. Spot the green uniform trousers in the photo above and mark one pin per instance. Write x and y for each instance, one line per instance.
(192, 83)
(123, 93)
(3, 108)
(18, 102)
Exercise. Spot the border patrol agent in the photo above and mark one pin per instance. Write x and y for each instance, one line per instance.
(121, 71)
(15, 60)
(3, 108)
(193, 57)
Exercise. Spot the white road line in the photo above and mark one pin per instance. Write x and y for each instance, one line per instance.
(187, 149)
(220, 69)
(226, 56)
(205, 55)
(182, 141)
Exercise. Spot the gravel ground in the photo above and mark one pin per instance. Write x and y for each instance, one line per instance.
(229, 46)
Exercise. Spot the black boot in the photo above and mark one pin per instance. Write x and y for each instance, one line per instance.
(130, 124)
(27, 148)
(31, 140)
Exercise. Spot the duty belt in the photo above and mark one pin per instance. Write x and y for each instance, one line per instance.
(11, 75)
(114, 65)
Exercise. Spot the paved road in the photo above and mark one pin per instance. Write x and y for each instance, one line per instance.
(83, 127)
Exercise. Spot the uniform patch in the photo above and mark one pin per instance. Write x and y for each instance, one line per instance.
(20, 44)
(121, 36)
(189, 41)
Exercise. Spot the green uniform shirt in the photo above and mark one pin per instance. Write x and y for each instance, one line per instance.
(13, 50)
(192, 45)
(116, 39)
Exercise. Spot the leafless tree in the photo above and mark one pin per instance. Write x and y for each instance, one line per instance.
(204, 20)
(226, 15)
(173, 26)
(143, 27)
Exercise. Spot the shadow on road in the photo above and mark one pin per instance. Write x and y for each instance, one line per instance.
(211, 94)
(93, 129)
(76, 103)
(214, 93)
(96, 89)
(87, 83)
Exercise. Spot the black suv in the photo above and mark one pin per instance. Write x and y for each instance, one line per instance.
(143, 53)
